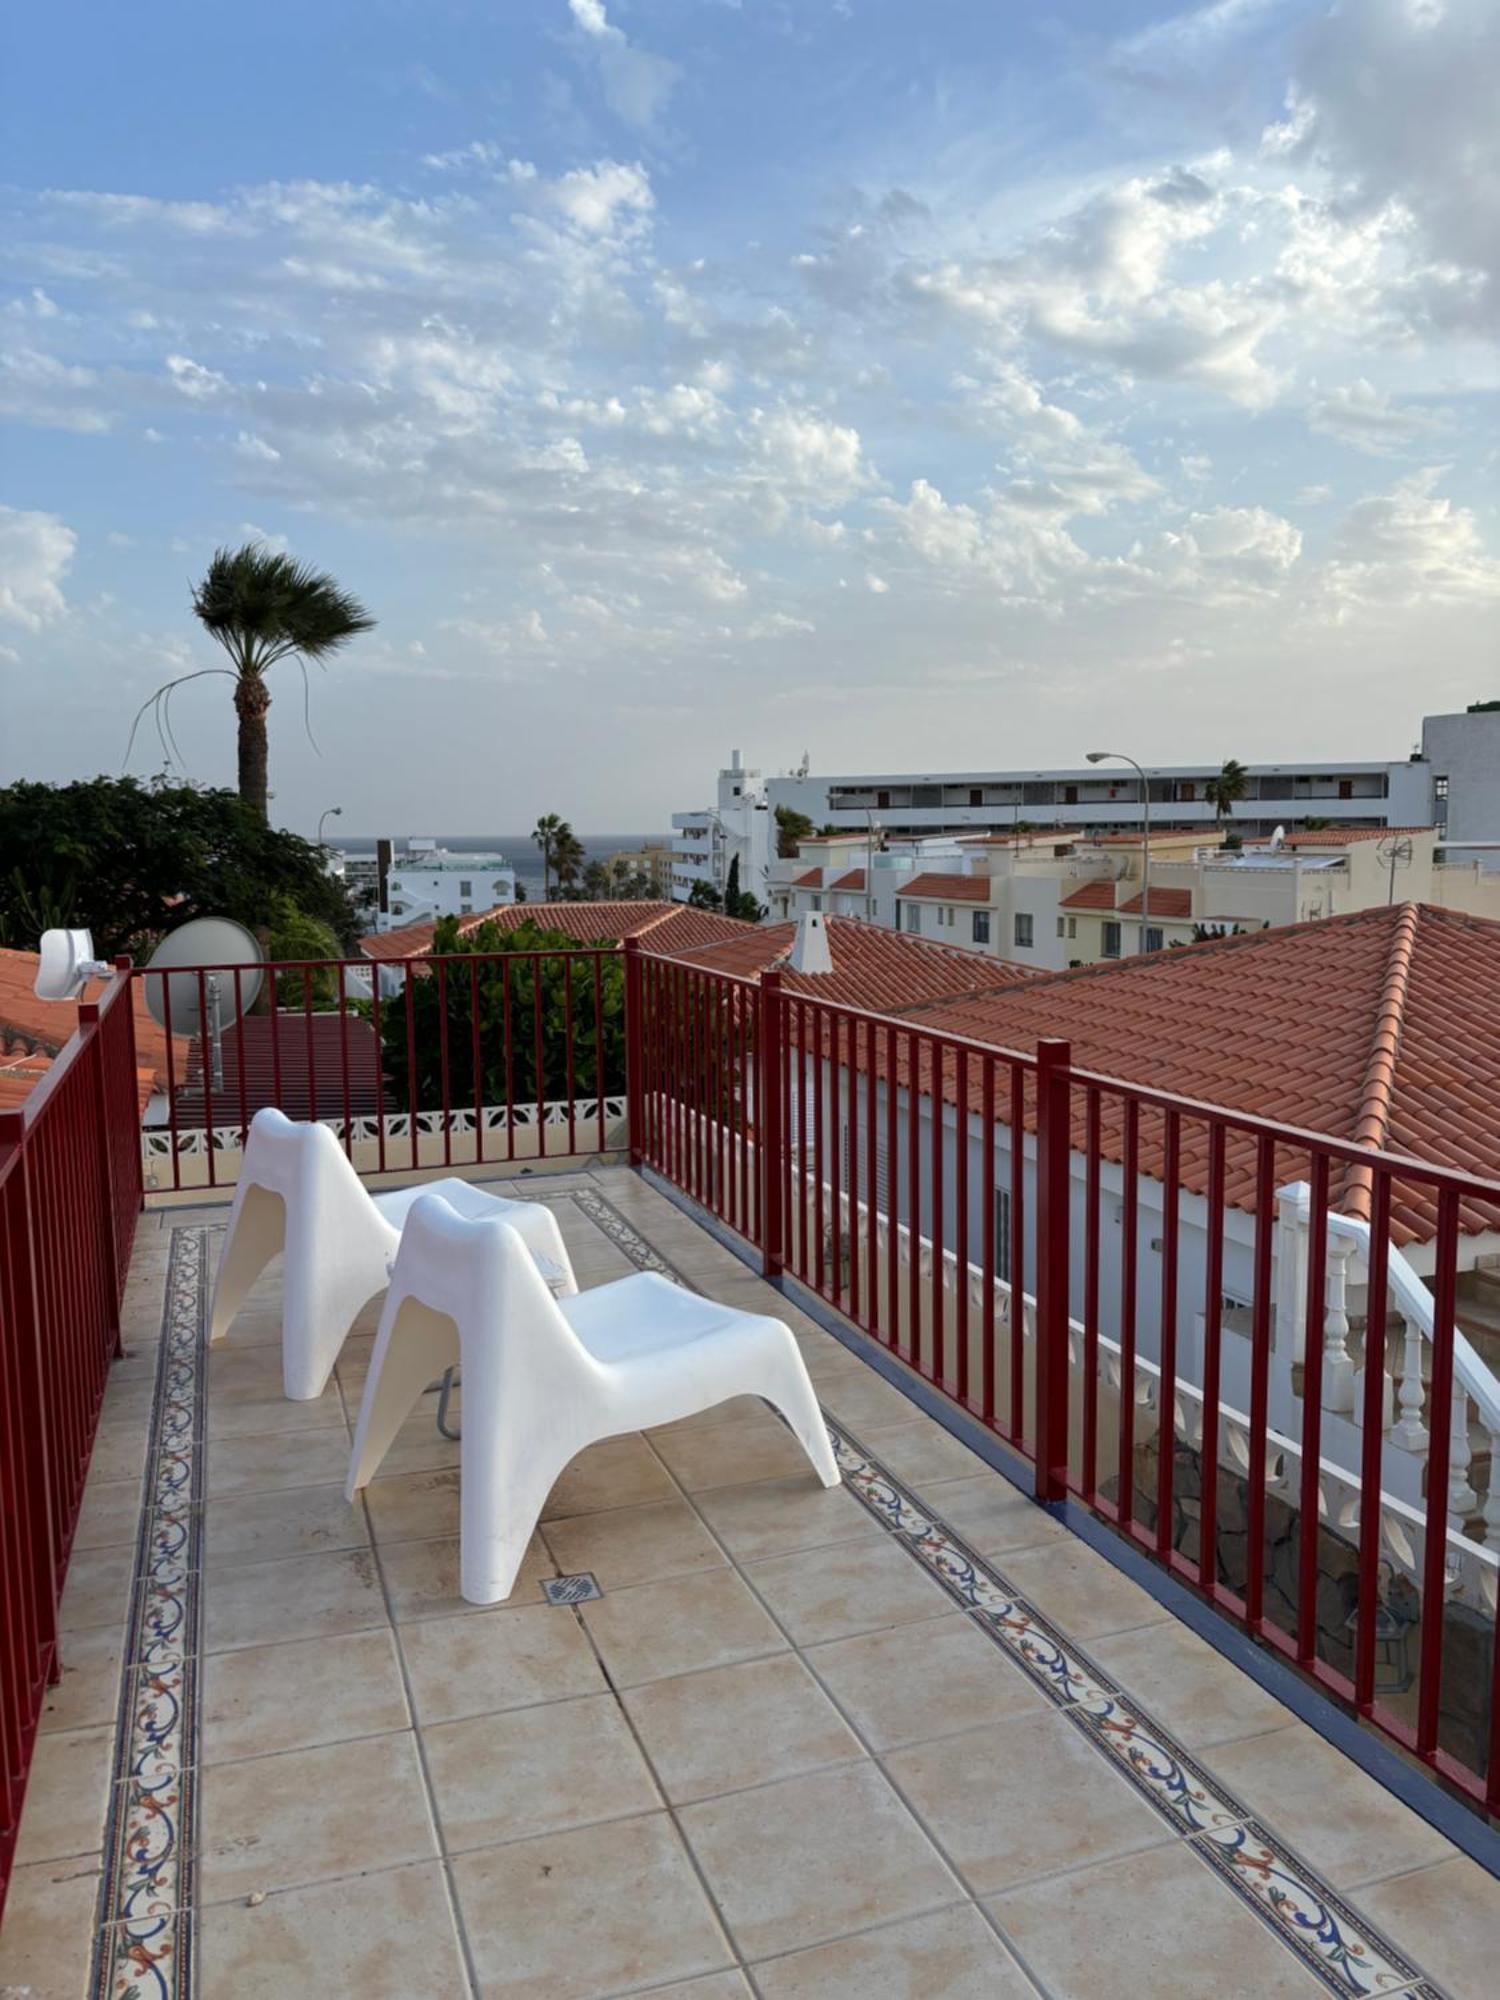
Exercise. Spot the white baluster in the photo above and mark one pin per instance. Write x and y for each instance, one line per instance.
(1491, 1513)
(1462, 1499)
(1409, 1430)
(1338, 1367)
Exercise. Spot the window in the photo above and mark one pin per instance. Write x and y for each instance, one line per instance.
(1111, 940)
(1346, 788)
(1070, 795)
(817, 902)
(1025, 930)
(1062, 927)
(981, 927)
(882, 801)
(1153, 938)
(1072, 927)
(1440, 802)
(466, 888)
(976, 796)
(913, 918)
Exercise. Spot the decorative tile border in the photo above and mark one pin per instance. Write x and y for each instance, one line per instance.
(144, 1950)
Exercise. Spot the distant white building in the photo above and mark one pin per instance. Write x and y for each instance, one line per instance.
(431, 882)
(739, 825)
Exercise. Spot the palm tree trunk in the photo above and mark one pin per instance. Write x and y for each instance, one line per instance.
(252, 698)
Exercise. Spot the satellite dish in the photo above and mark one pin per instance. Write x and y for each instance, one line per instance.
(210, 996)
(1278, 838)
(66, 964)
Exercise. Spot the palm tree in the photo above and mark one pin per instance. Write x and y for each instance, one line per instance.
(567, 858)
(1224, 791)
(261, 606)
(545, 833)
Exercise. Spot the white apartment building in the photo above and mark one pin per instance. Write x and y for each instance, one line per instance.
(741, 824)
(1452, 781)
(431, 882)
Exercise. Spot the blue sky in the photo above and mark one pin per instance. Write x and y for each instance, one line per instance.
(913, 385)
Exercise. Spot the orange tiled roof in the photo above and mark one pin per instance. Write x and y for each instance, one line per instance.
(854, 882)
(949, 888)
(1345, 836)
(1207, 834)
(47, 1024)
(874, 968)
(1098, 895)
(1164, 903)
(811, 878)
(666, 924)
(1379, 1027)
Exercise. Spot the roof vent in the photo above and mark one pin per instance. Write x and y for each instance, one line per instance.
(810, 951)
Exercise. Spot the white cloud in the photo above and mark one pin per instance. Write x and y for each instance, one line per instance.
(1412, 545)
(1365, 417)
(637, 84)
(36, 550)
(812, 456)
(610, 195)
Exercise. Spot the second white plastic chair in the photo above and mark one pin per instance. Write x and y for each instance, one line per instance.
(298, 1192)
(543, 1378)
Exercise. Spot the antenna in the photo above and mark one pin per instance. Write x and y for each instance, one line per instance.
(66, 963)
(203, 1001)
(1394, 852)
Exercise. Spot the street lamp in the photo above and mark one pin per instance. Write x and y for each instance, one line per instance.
(333, 812)
(1119, 757)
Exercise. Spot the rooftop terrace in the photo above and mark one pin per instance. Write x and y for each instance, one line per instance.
(906, 1738)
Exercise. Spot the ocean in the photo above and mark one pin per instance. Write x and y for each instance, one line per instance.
(519, 849)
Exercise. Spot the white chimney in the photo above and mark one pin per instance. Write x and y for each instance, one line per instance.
(810, 951)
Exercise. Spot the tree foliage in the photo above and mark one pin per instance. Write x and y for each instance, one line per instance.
(537, 999)
(791, 827)
(131, 861)
(1224, 791)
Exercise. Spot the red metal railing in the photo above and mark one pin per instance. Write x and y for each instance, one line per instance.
(70, 1192)
(469, 1059)
(1059, 1252)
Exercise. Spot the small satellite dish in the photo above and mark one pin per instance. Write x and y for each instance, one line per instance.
(1278, 838)
(66, 964)
(216, 947)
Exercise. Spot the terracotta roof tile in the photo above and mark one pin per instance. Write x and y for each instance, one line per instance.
(811, 878)
(1091, 896)
(47, 1024)
(875, 968)
(1379, 1027)
(949, 888)
(853, 882)
(588, 923)
(1164, 903)
(1345, 836)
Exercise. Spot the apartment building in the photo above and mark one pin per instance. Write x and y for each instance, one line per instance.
(430, 882)
(740, 825)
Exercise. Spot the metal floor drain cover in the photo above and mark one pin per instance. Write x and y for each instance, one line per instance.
(570, 1589)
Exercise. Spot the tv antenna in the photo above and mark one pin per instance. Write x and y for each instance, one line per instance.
(1395, 852)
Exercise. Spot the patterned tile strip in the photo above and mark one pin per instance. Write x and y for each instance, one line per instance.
(144, 1950)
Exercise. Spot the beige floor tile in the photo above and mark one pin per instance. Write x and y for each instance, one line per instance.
(66, 1796)
(414, 1506)
(524, 1772)
(476, 1666)
(1446, 1918)
(913, 1682)
(713, 1986)
(857, 1396)
(729, 1454)
(1024, 1797)
(263, 1527)
(619, 1472)
(48, 1937)
(920, 1452)
(679, 1626)
(1152, 1923)
(97, 1591)
(110, 1515)
(89, 1691)
(385, 1937)
(1192, 1691)
(732, 1410)
(1347, 1826)
(742, 1725)
(633, 1544)
(851, 1587)
(598, 1910)
(267, 1464)
(952, 1953)
(299, 1597)
(310, 1815)
(263, 1411)
(858, 1858)
(773, 1517)
(1079, 1591)
(419, 1446)
(991, 1515)
(422, 1579)
(292, 1697)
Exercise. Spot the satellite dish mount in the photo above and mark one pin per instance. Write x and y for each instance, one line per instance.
(66, 964)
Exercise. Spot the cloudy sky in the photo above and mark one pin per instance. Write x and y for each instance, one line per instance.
(929, 385)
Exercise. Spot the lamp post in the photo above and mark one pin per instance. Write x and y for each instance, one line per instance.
(1119, 757)
(332, 812)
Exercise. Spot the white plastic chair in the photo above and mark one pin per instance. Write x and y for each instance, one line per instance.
(543, 1377)
(298, 1192)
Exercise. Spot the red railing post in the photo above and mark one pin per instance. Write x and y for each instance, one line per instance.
(1053, 1148)
(635, 1081)
(770, 1028)
(88, 1021)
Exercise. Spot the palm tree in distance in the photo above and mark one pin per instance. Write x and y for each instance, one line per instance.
(261, 606)
(567, 858)
(545, 833)
(1224, 791)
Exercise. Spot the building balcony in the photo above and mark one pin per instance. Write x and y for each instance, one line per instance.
(947, 1728)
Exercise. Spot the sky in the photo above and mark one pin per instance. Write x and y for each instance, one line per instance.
(917, 386)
